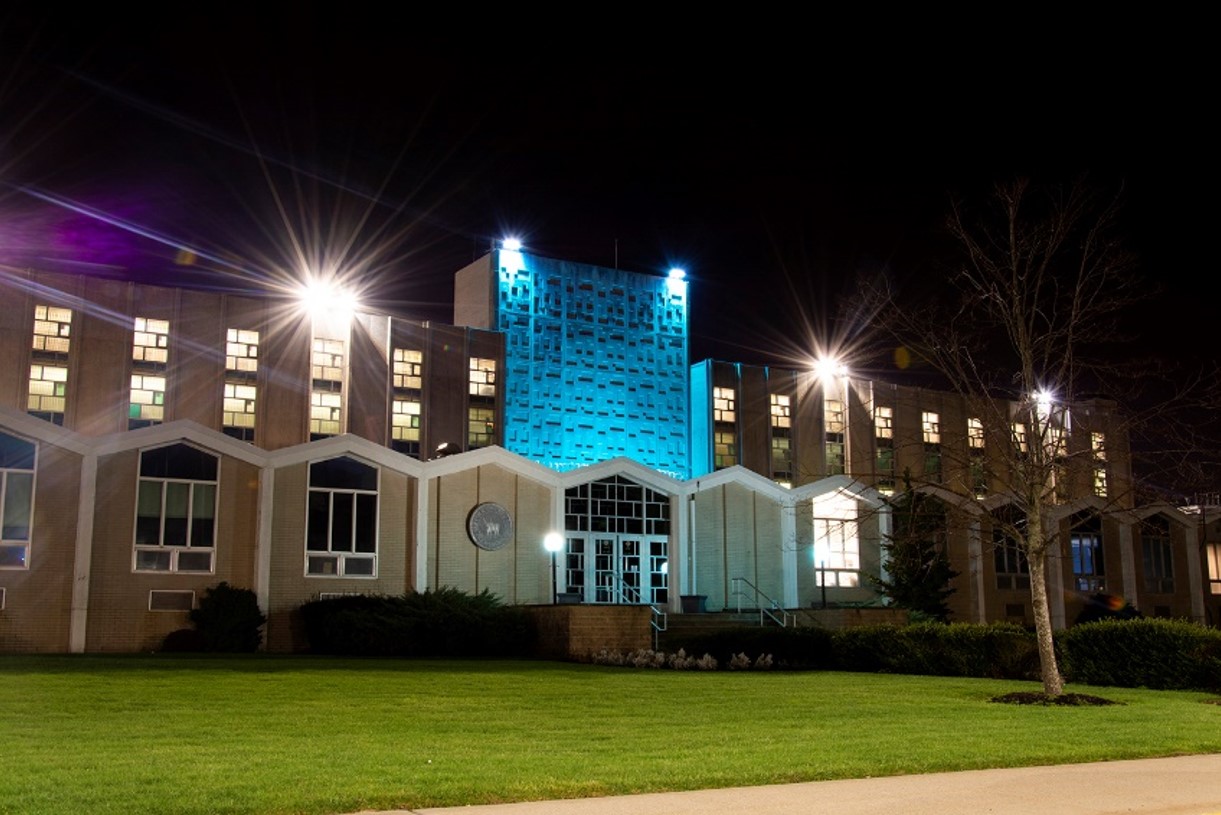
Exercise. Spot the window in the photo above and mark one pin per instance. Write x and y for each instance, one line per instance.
(48, 390)
(176, 510)
(1213, 554)
(1098, 446)
(326, 394)
(977, 463)
(884, 442)
(1089, 571)
(406, 409)
(1158, 556)
(16, 501)
(481, 427)
(149, 360)
(341, 536)
(837, 548)
(931, 429)
(1019, 438)
(724, 428)
(241, 392)
(481, 415)
(782, 448)
(833, 428)
(1009, 555)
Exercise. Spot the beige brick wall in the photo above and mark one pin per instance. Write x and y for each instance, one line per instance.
(38, 599)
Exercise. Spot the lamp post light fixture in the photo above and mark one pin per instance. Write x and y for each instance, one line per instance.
(553, 543)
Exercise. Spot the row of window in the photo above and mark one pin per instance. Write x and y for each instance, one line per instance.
(48, 382)
(724, 416)
(175, 529)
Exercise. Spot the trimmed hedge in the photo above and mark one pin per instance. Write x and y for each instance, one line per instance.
(444, 622)
(1151, 653)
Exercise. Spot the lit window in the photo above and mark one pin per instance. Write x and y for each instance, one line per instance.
(408, 370)
(1213, 554)
(16, 501)
(724, 449)
(241, 392)
(724, 408)
(406, 409)
(837, 548)
(481, 427)
(150, 358)
(326, 394)
(883, 422)
(176, 510)
(341, 537)
(977, 464)
(975, 434)
(780, 411)
(782, 447)
(884, 442)
(931, 424)
(48, 390)
(931, 428)
(483, 378)
(1099, 448)
(1019, 438)
(150, 343)
(833, 429)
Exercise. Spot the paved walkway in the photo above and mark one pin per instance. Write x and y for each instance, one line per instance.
(1187, 785)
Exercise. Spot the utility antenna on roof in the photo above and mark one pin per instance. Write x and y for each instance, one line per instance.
(616, 254)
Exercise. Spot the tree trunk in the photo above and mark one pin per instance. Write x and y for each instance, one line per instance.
(1049, 670)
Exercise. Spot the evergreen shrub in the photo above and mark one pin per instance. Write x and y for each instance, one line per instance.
(1154, 653)
(445, 622)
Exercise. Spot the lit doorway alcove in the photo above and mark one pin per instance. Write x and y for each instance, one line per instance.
(617, 536)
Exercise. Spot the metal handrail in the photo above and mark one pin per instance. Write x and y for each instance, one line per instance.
(768, 610)
(658, 618)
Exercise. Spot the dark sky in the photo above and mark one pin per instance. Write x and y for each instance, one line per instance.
(773, 158)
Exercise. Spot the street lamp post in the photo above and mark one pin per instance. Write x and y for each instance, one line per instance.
(553, 543)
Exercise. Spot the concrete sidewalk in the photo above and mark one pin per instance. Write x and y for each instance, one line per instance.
(1187, 785)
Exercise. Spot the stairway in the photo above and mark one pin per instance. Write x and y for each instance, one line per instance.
(680, 627)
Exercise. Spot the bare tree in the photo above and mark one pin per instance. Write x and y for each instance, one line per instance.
(1027, 334)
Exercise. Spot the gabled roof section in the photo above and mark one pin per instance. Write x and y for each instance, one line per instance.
(491, 455)
(737, 474)
(844, 484)
(180, 430)
(346, 444)
(26, 426)
(626, 467)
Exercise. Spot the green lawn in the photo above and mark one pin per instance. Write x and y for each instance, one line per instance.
(265, 734)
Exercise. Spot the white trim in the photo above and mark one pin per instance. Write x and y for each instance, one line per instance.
(263, 541)
(79, 615)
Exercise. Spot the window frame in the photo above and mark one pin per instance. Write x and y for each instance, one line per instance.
(23, 546)
(167, 485)
(343, 559)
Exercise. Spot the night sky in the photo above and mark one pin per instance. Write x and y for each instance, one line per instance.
(774, 160)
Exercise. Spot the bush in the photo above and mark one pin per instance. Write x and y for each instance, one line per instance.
(1150, 653)
(995, 650)
(228, 619)
(444, 622)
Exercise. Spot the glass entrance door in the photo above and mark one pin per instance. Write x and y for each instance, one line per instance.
(624, 569)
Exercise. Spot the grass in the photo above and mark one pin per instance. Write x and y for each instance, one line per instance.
(265, 734)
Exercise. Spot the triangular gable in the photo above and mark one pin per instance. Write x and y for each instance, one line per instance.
(37, 430)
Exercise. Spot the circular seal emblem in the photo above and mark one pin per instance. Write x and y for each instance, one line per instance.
(490, 526)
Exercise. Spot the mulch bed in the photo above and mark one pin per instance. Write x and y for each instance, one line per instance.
(1072, 699)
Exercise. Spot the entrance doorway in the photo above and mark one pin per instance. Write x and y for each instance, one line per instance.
(617, 543)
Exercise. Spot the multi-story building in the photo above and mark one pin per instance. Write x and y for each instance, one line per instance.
(156, 441)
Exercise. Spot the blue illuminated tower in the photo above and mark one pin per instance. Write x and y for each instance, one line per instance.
(595, 359)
